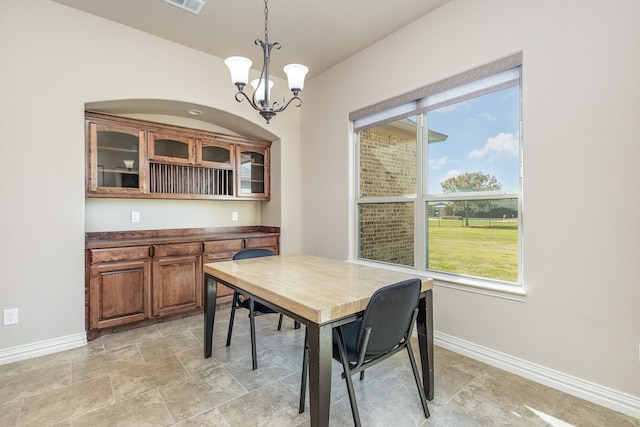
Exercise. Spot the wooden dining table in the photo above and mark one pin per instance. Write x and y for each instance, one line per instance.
(320, 293)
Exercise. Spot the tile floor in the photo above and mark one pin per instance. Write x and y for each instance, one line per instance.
(157, 376)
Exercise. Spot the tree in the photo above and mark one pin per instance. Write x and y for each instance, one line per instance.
(466, 182)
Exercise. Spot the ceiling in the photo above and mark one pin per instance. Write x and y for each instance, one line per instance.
(319, 34)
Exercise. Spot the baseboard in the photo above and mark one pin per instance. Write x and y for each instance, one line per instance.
(41, 348)
(604, 396)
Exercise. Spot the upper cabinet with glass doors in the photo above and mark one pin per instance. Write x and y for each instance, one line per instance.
(172, 162)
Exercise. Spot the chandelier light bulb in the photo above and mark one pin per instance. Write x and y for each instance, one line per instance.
(239, 69)
(258, 86)
(295, 75)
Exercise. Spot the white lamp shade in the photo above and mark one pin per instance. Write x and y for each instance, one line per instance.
(239, 69)
(295, 75)
(258, 85)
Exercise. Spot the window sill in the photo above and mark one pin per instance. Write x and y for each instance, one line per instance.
(467, 284)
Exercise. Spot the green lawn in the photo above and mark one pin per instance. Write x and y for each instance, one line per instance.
(484, 249)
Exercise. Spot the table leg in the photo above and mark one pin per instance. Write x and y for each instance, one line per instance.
(209, 312)
(320, 348)
(425, 341)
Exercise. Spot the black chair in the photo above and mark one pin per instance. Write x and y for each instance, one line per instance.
(255, 308)
(383, 330)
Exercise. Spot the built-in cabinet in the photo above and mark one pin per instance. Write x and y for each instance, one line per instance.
(141, 159)
(135, 278)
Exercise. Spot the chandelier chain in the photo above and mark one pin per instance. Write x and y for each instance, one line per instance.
(266, 22)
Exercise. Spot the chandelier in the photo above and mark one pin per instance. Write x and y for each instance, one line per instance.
(260, 100)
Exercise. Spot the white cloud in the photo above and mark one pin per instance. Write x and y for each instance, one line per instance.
(437, 164)
(488, 116)
(502, 146)
(450, 174)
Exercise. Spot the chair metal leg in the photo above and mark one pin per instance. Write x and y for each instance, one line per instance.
(296, 324)
(416, 375)
(347, 376)
(305, 370)
(234, 305)
(252, 321)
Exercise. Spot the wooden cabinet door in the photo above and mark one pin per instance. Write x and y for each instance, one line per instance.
(177, 284)
(119, 293)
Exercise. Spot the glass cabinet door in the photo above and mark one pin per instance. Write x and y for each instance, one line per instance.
(215, 154)
(171, 148)
(116, 152)
(253, 173)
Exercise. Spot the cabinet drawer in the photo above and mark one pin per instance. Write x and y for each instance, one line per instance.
(261, 242)
(218, 256)
(177, 249)
(223, 246)
(119, 254)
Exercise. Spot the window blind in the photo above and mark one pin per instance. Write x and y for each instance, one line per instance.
(483, 80)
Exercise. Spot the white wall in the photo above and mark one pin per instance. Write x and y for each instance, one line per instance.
(53, 60)
(581, 99)
(114, 214)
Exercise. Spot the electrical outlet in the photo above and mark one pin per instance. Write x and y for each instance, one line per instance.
(234, 216)
(10, 317)
(135, 216)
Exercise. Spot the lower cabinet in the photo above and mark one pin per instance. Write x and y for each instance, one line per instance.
(147, 282)
(177, 278)
(119, 288)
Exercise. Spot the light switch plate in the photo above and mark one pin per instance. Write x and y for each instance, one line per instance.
(135, 216)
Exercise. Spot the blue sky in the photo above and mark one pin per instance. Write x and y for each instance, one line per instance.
(482, 136)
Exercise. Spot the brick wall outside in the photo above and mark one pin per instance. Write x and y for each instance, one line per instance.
(387, 168)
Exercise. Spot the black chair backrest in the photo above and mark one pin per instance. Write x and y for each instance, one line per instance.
(389, 315)
(253, 253)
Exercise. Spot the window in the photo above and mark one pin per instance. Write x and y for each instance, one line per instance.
(439, 177)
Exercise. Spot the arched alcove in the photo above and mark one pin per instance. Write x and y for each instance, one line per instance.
(105, 214)
(228, 122)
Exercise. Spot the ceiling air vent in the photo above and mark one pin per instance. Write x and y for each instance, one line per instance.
(193, 6)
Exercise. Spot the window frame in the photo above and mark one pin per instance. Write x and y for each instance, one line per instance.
(417, 104)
